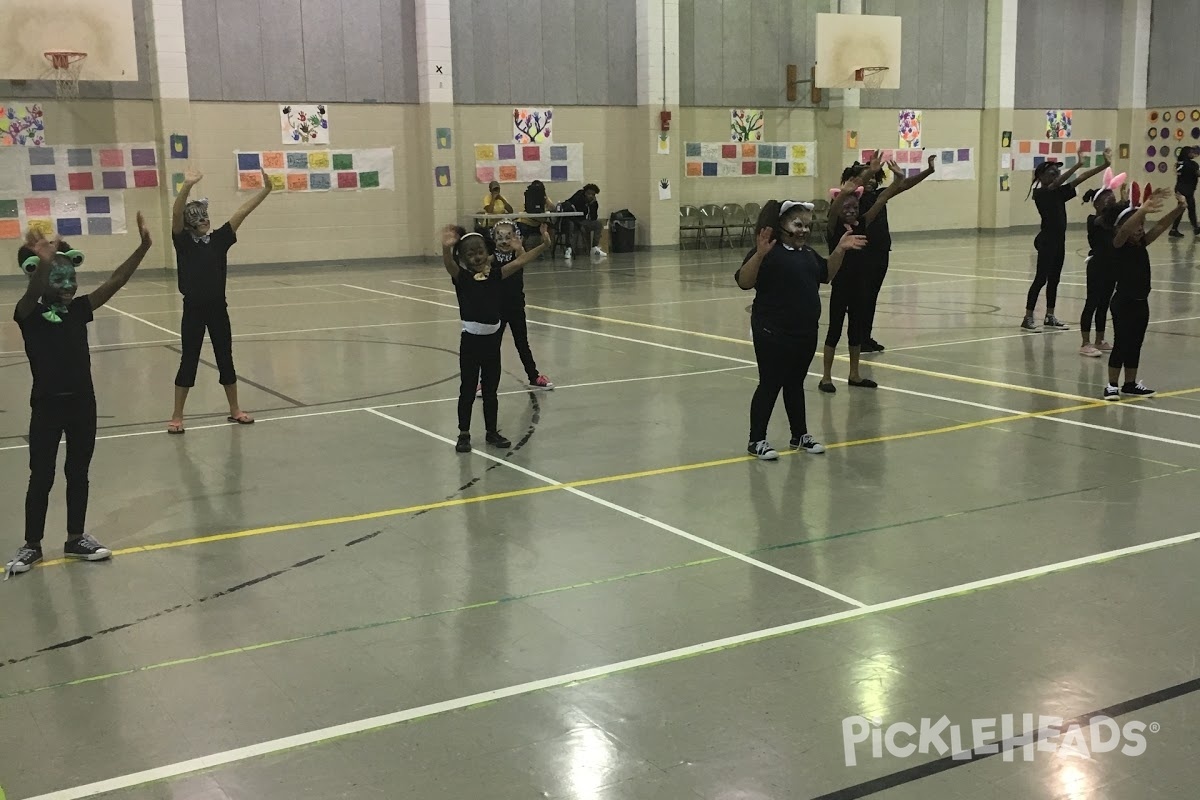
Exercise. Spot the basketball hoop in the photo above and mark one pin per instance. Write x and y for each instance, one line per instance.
(870, 77)
(65, 68)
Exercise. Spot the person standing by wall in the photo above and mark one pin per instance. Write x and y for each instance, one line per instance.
(1186, 173)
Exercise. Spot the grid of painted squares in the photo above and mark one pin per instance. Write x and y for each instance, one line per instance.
(512, 163)
(64, 214)
(732, 160)
(1033, 152)
(911, 160)
(314, 171)
(86, 169)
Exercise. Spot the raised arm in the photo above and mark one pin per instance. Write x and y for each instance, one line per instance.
(240, 215)
(123, 273)
(46, 250)
(895, 188)
(1136, 219)
(852, 185)
(1166, 222)
(1096, 170)
(526, 255)
(1063, 176)
(190, 179)
(747, 276)
(449, 239)
(848, 242)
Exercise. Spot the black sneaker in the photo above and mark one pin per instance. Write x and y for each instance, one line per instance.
(762, 450)
(463, 445)
(86, 548)
(872, 346)
(1112, 392)
(1138, 389)
(1054, 323)
(808, 444)
(1174, 234)
(23, 561)
(495, 439)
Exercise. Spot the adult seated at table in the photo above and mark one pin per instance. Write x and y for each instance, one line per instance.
(585, 231)
(493, 203)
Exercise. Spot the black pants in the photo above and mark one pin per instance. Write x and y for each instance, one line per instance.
(850, 296)
(1051, 253)
(515, 319)
(1100, 285)
(585, 233)
(198, 317)
(1130, 319)
(879, 269)
(52, 417)
(1191, 205)
(783, 362)
(479, 360)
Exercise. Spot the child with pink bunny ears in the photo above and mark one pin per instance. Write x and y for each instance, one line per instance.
(1101, 270)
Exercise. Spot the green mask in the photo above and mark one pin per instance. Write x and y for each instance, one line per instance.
(61, 281)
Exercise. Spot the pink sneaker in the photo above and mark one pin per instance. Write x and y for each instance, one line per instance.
(542, 382)
(1090, 350)
(1104, 346)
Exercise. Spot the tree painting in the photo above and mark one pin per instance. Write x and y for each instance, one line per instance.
(305, 124)
(22, 126)
(532, 125)
(746, 125)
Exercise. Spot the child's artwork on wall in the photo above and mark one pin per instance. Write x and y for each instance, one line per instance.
(79, 168)
(532, 125)
(513, 163)
(1032, 152)
(909, 128)
(746, 124)
(664, 144)
(953, 163)
(304, 124)
(749, 159)
(316, 170)
(445, 139)
(178, 147)
(65, 214)
(22, 125)
(1058, 124)
(441, 177)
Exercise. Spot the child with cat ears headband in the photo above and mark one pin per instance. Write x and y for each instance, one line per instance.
(1101, 270)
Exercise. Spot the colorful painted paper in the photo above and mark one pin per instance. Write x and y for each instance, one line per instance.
(746, 159)
(79, 168)
(909, 127)
(178, 147)
(851, 140)
(316, 170)
(532, 125)
(22, 125)
(1058, 124)
(445, 139)
(1032, 152)
(746, 124)
(953, 164)
(510, 163)
(63, 214)
(304, 124)
(441, 177)
(664, 144)
(1006, 138)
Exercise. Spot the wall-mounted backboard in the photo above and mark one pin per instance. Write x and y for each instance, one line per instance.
(850, 42)
(101, 28)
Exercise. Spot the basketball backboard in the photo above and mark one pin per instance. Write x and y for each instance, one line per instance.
(101, 28)
(850, 42)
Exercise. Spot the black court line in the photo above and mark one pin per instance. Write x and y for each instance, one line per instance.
(949, 762)
(247, 381)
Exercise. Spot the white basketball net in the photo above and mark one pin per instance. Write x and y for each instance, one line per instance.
(873, 77)
(65, 69)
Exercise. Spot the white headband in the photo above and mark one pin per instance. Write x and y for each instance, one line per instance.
(790, 204)
(1125, 214)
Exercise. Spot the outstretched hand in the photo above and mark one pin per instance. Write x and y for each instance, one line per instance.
(765, 241)
(933, 162)
(46, 248)
(143, 231)
(192, 177)
(1108, 156)
(449, 236)
(1180, 200)
(851, 242)
(267, 184)
(544, 230)
(1154, 201)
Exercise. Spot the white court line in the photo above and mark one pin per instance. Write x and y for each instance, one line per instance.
(386, 720)
(111, 307)
(175, 292)
(629, 512)
(1056, 419)
(344, 300)
(328, 412)
(1012, 280)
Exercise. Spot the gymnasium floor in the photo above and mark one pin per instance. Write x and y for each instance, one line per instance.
(332, 603)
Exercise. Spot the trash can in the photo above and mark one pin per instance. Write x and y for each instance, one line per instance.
(622, 226)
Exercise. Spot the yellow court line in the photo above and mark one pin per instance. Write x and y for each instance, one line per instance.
(625, 476)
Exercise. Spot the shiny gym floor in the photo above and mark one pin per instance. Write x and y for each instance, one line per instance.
(333, 604)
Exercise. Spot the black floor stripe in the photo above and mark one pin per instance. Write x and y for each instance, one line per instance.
(247, 381)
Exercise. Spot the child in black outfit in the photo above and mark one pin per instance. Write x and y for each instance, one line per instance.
(1130, 303)
(512, 308)
(1101, 278)
(53, 323)
(477, 281)
(786, 275)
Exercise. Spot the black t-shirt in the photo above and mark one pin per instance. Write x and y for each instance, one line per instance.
(479, 300)
(1186, 173)
(855, 263)
(881, 234)
(1052, 206)
(1100, 239)
(202, 267)
(1132, 268)
(513, 287)
(58, 351)
(787, 294)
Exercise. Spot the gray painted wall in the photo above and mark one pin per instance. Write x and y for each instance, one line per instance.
(98, 90)
(544, 52)
(1174, 78)
(331, 51)
(941, 55)
(1069, 53)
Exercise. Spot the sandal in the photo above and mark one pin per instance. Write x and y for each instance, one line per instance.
(175, 428)
(242, 419)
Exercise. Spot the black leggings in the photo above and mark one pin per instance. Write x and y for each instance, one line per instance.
(75, 416)
(1051, 253)
(783, 362)
(196, 318)
(515, 319)
(1191, 206)
(1100, 285)
(479, 360)
(850, 296)
(879, 269)
(1130, 319)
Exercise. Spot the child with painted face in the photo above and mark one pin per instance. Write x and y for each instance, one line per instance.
(1130, 303)
(202, 261)
(53, 319)
(478, 278)
(1101, 277)
(1051, 190)
(786, 275)
(508, 246)
(852, 290)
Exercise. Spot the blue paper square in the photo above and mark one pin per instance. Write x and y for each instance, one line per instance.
(100, 226)
(558, 152)
(1039, 160)
(947, 157)
(248, 161)
(319, 180)
(98, 204)
(558, 172)
(41, 156)
(79, 157)
(43, 183)
(297, 160)
(709, 169)
(70, 227)
(692, 149)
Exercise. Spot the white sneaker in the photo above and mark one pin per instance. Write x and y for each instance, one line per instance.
(1090, 351)
(596, 251)
(567, 254)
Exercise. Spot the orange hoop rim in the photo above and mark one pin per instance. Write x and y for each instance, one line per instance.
(862, 72)
(63, 59)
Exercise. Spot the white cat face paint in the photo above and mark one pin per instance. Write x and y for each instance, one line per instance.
(504, 236)
(795, 226)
